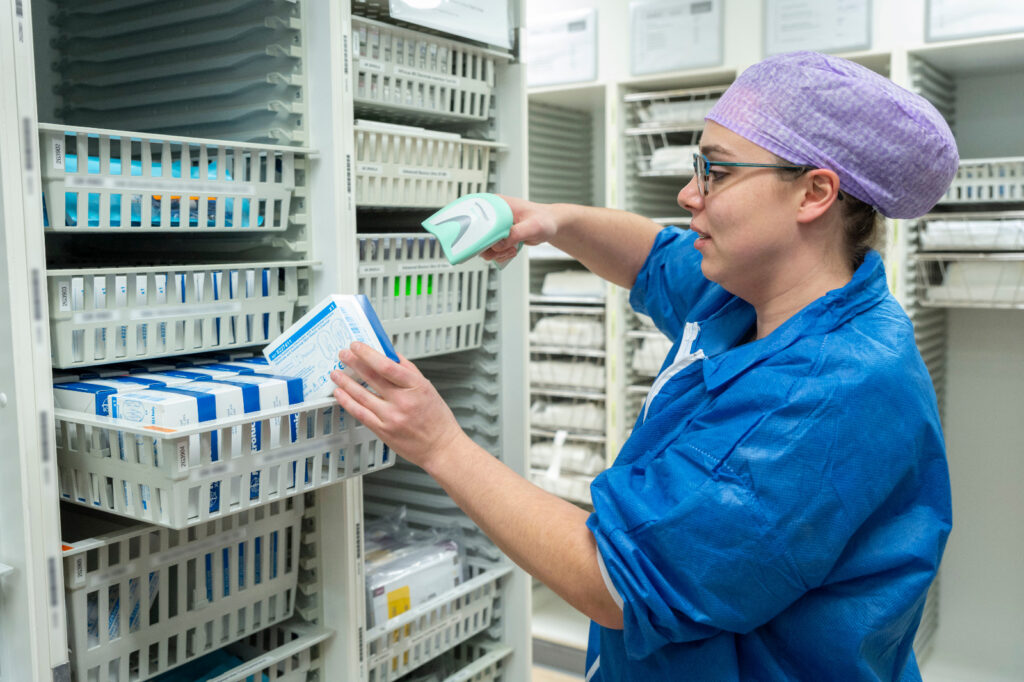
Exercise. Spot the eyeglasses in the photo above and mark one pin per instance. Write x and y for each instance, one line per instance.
(702, 168)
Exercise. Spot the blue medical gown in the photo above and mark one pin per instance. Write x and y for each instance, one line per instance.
(780, 510)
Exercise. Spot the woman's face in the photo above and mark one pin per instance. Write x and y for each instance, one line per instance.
(746, 224)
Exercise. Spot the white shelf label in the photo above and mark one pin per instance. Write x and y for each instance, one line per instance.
(369, 169)
(426, 173)
(423, 267)
(58, 153)
(371, 65)
(370, 270)
(439, 78)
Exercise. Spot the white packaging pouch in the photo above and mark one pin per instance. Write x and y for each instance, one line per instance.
(309, 348)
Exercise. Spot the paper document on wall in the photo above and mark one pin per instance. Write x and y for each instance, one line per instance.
(667, 35)
(562, 48)
(483, 20)
(947, 19)
(821, 25)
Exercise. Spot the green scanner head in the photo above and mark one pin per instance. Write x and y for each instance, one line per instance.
(469, 225)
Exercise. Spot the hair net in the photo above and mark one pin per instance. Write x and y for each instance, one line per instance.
(889, 147)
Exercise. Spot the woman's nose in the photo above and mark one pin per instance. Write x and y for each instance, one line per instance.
(689, 197)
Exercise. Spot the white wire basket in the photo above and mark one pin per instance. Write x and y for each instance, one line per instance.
(413, 638)
(573, 487)
(403, 166)
(677, 107)
(170, 477)
(106, 315)
(552, 369)
(980, 181)
(665, 128)
(973, 232)
(572, 411)
(116, 181)
(965, 280)
(417, 76)
(142, 600)
(426, 304)
(650, 348)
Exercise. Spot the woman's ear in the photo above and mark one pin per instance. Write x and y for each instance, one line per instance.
(821, 190)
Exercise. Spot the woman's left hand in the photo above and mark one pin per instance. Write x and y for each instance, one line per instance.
(407, 412)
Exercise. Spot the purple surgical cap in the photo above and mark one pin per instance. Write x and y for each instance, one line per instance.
(889, 147)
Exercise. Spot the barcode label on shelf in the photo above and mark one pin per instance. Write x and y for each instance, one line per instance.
(58, 154)
(442, 79)
(423, 267)
(64, 295)
(425, 173)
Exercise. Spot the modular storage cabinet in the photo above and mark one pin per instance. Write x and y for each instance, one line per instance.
(180, 181)
(958, 272)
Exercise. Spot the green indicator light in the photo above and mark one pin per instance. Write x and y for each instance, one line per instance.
(419, 285)
(398, 287)
(430, 284)
(408, 285)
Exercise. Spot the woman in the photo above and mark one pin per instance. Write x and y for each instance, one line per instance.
(781, 507)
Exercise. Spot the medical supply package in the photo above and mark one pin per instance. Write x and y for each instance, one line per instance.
(91, 396)
(309, 348)
(401, 577)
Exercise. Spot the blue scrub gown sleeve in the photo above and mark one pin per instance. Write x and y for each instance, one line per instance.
(670, 287)
(727, 517)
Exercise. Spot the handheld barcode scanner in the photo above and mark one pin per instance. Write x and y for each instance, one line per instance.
(469, 225)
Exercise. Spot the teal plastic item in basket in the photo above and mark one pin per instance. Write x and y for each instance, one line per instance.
(193, 219)
(469, 225)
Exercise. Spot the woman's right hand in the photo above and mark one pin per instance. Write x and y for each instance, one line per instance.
(533, 224)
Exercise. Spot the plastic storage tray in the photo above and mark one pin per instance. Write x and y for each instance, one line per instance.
(402, 166)
(964, 280)
(980, 181)
(408, 641)
(427, 305)
(143, 600)
(168, 476)
(417, 76)
(973, 232)
(108, 180)
(109, 315)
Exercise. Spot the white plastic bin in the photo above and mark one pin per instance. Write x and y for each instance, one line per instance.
(415, 637)
(419, 76)
(427, 305)
(109, 315)
(403, 166)
(144, 599)
(166, 475)
(110, 180)
(980, 181)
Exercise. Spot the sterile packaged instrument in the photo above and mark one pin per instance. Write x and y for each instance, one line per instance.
(309, 348)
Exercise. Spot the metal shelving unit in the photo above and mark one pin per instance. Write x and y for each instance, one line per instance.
(215, 95)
